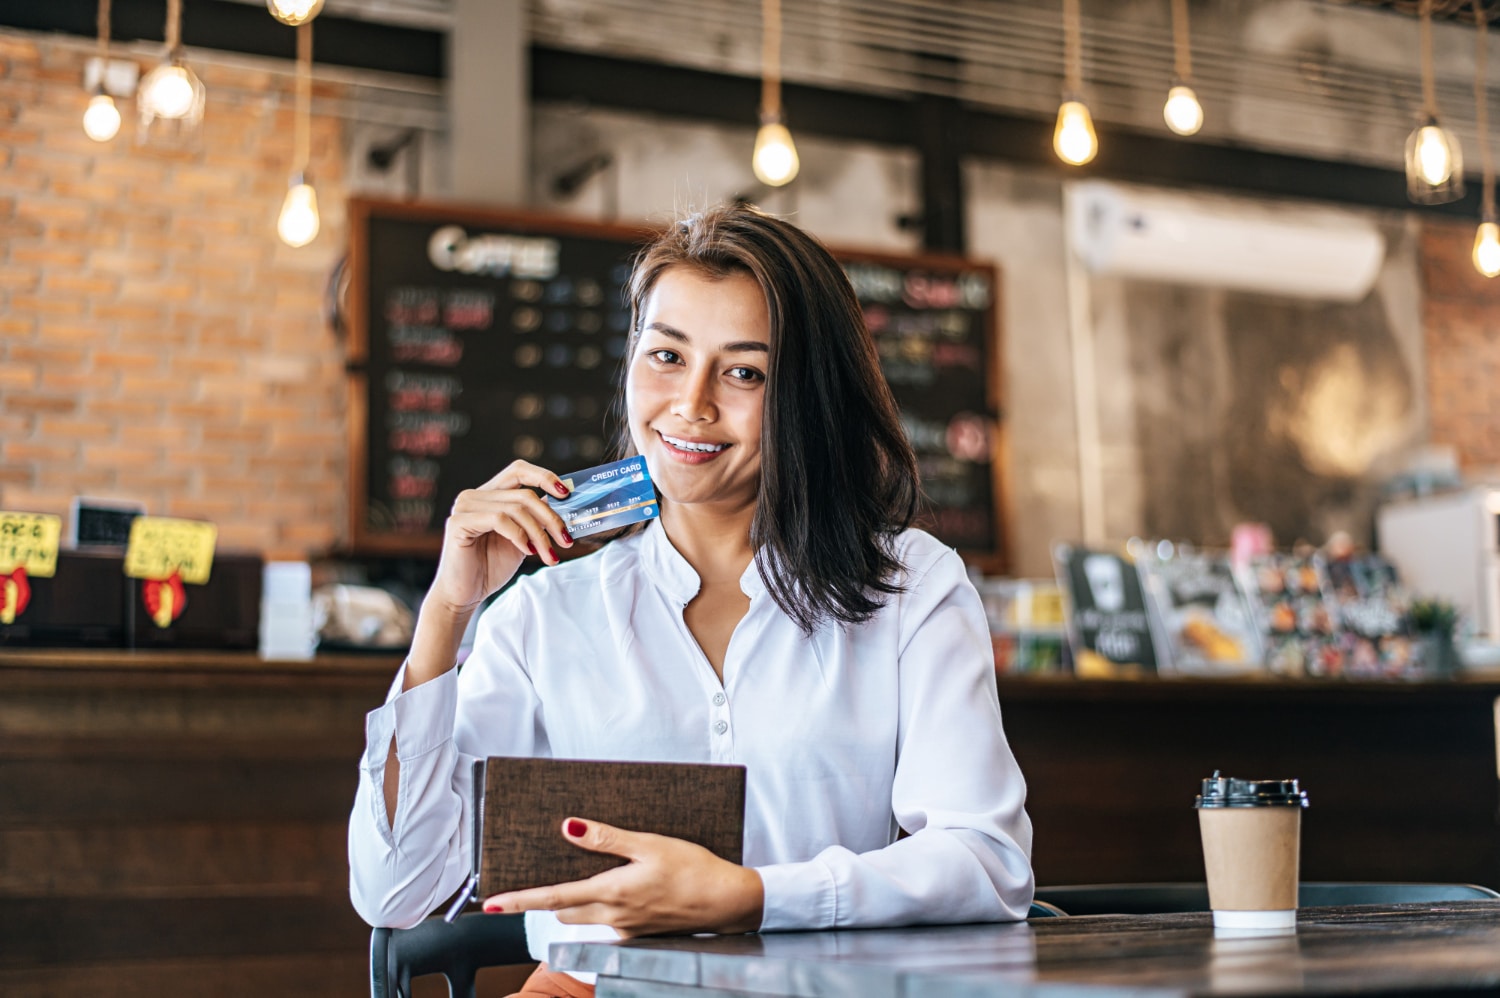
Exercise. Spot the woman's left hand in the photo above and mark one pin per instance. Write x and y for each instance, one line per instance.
(669, 886)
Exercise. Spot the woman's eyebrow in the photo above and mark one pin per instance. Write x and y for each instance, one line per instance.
(739, 346)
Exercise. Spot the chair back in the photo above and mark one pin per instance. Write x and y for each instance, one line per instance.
(456, 950)
(1041, 909)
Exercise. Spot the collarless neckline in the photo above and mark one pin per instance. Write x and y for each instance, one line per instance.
(672, 573)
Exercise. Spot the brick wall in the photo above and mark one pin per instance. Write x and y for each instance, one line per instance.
(157, 341)
(1461, 315)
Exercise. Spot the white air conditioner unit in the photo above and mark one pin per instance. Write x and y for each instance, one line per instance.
(1301, 251)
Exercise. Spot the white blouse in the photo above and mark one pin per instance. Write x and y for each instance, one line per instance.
(848, 736)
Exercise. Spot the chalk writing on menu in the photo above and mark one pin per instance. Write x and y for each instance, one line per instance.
(501, 339)
(490, 348)
(931, 330)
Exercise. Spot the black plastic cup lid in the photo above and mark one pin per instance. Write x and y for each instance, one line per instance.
(1226, 791)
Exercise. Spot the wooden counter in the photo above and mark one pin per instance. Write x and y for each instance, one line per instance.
(1445, 949)
(176, 822)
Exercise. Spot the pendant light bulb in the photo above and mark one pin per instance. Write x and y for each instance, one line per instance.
(775, 159)
(294, 12)
(1074, 139)
(101, 122)
(1434, 163)
(298, 223)
(170, 91)
(1487, 249)
(1182, 111)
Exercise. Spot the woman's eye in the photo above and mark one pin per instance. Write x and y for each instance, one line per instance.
(664, 356)
(746, 374)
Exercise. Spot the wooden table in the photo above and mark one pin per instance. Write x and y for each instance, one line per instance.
(1399, 949)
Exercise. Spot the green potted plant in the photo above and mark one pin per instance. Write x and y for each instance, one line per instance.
(1434, 621)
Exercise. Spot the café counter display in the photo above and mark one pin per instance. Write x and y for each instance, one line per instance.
(1410, 949)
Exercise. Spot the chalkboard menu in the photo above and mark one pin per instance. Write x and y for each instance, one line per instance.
(480, 337)
(934, 323)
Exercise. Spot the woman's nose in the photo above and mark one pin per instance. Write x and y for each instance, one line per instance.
(694, 402)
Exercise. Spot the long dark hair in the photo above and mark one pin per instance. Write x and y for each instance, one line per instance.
(838, 479)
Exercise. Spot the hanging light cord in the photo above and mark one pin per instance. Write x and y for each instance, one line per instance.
(174, 26)
(103, 28)
(770, 58)
(1481, 111)
(1072, 48)
(1181, 47)
(1429, 91)
(304, 96)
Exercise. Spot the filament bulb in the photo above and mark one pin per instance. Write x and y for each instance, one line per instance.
(1074, 138)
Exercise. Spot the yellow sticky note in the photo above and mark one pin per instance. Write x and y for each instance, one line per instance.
(160, 546)
(29, 541)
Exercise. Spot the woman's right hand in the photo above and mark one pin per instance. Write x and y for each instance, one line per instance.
(490, 532)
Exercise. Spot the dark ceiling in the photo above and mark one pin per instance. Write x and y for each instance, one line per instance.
(243, 28)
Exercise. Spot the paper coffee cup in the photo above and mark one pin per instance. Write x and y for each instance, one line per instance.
(1252, 831)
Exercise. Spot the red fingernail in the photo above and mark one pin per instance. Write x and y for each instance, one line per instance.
(494, 906)
(552, 554)
(562, 489)
(567, 538)
(576, 828)
(531, 548)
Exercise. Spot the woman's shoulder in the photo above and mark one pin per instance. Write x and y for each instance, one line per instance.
(919, 552)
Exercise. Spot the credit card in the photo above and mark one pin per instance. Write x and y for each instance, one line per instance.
(609, 496)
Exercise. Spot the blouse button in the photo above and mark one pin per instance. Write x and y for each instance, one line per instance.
(721, 727)
(718, 699)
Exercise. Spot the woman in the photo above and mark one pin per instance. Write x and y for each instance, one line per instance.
(779, 614)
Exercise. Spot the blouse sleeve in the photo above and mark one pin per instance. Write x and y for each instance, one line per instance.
(401, 871)
(957, 789)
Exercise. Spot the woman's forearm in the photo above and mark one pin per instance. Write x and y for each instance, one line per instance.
(434, 650)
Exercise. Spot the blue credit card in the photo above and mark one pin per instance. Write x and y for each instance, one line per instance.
(607, 497)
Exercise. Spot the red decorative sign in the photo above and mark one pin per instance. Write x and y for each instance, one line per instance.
(164, 599)
(15, 593)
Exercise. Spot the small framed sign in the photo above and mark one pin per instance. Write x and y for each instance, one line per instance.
(102, 523)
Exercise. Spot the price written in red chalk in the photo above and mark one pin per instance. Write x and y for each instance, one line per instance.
(160, 546)
(29, 541)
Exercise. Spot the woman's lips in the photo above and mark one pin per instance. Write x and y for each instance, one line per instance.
(689, 456)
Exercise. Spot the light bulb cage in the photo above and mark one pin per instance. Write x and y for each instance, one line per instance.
(156, 127)
(1418, 188)
(289, 15)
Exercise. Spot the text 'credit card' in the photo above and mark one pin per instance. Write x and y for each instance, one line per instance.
(607, 497)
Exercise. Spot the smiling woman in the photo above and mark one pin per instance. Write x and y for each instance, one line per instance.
(780, 614)
(838, 479)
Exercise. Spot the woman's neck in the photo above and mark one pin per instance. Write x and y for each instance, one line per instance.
(714, 540)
